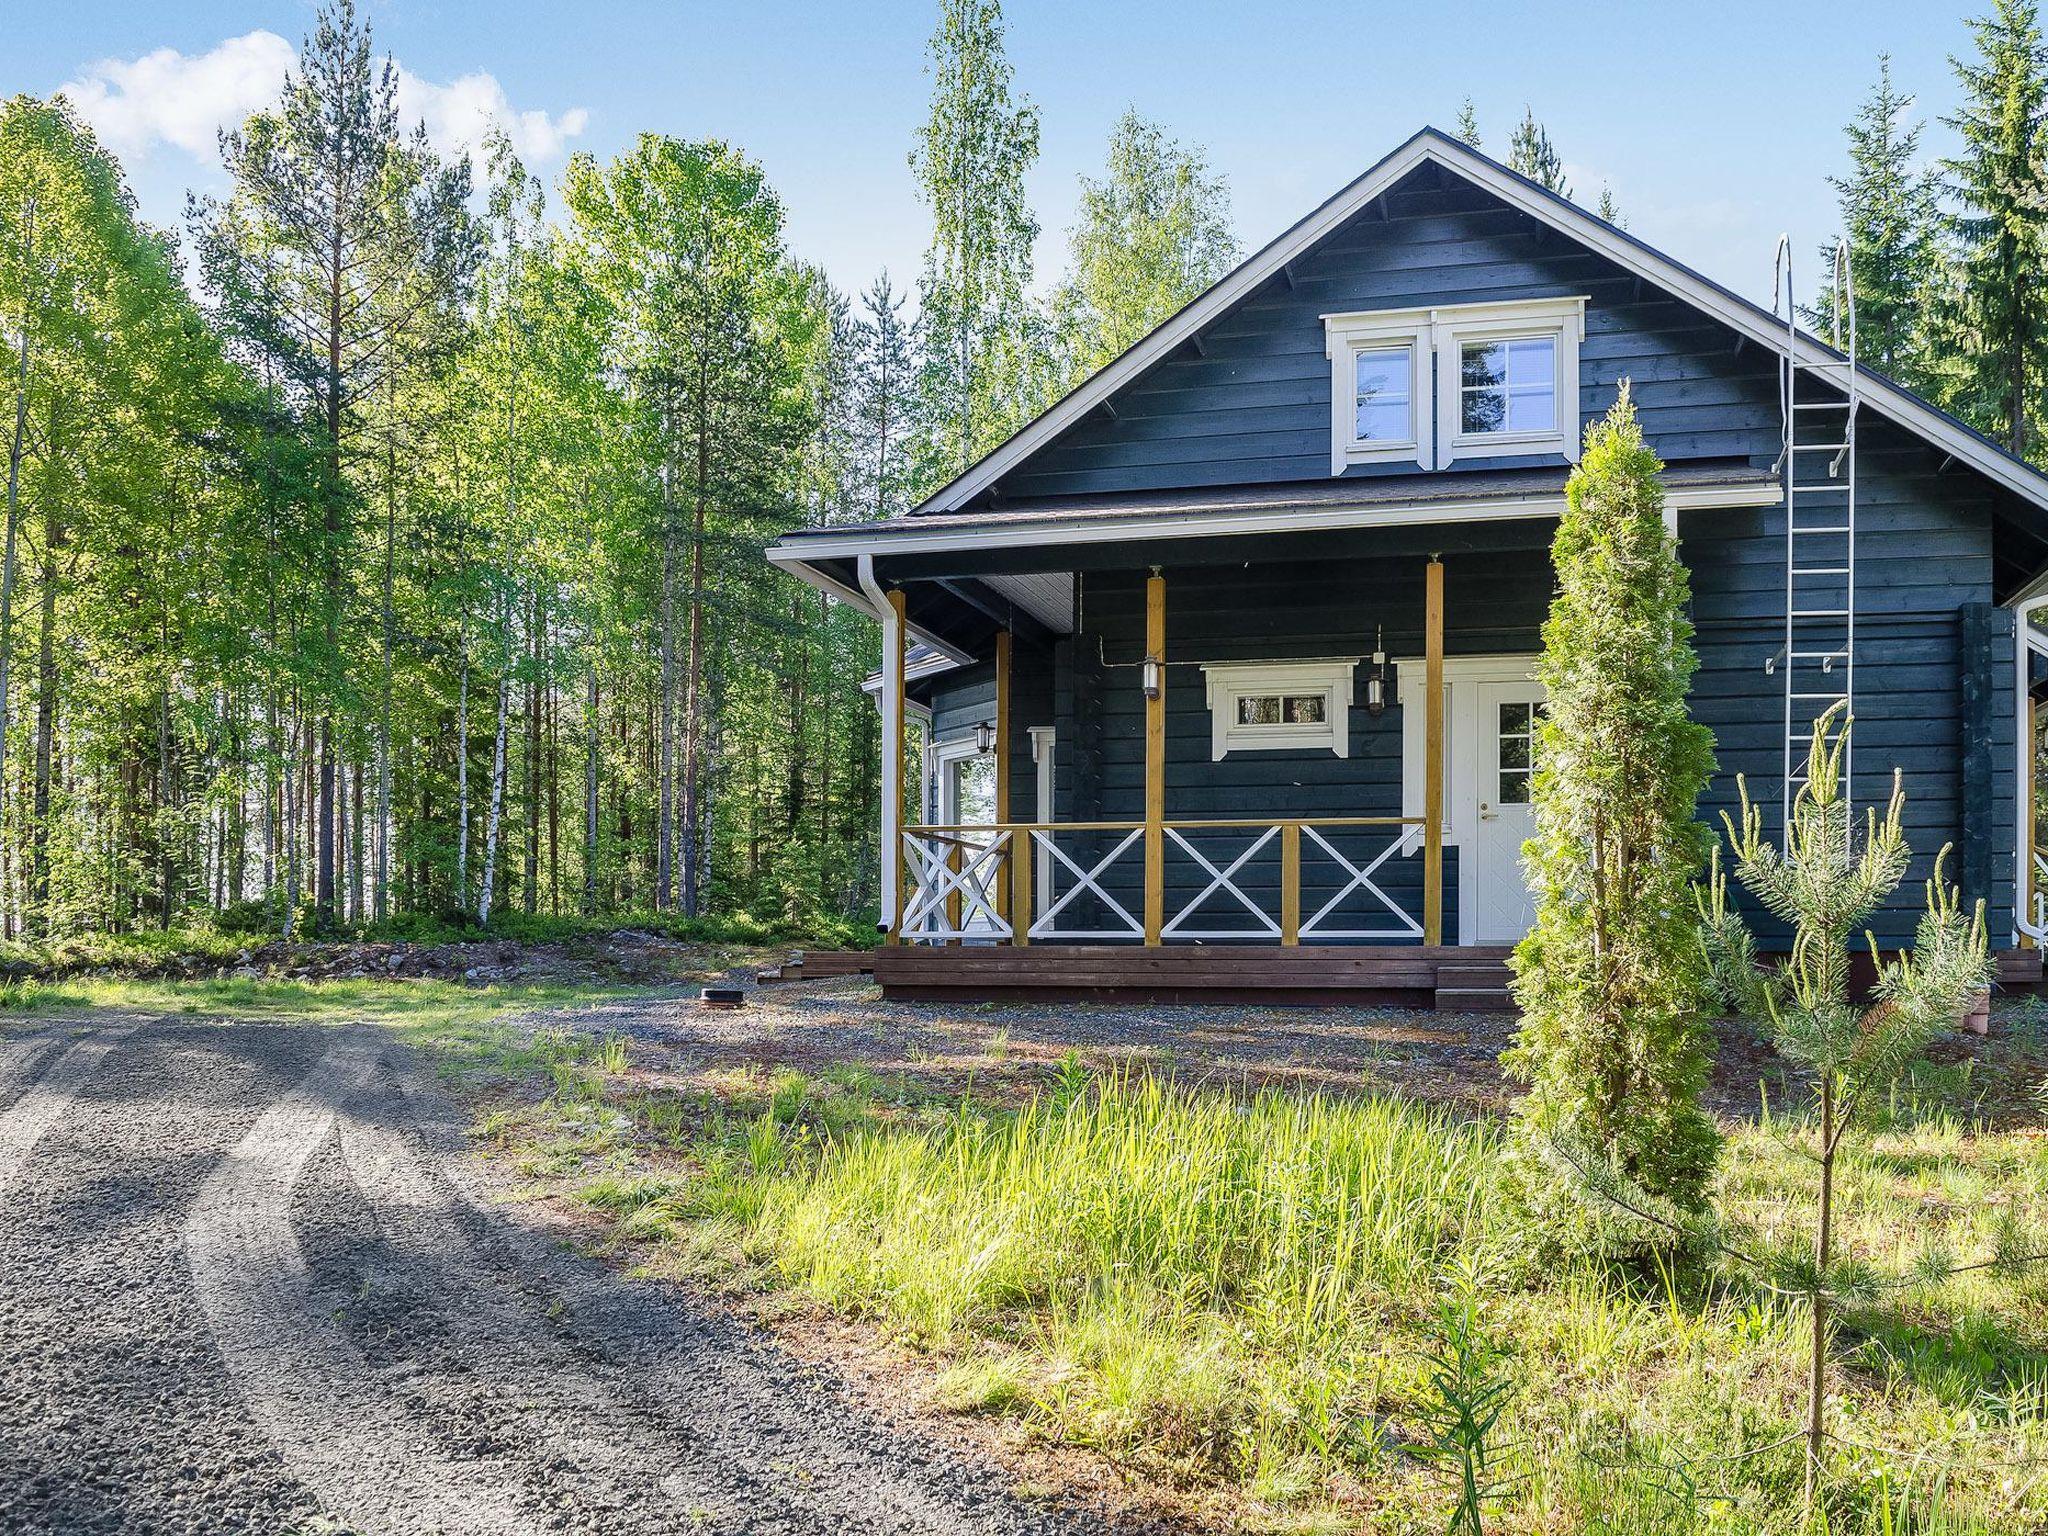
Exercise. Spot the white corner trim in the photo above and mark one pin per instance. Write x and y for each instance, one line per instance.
(1748, 320)
(1230, 681)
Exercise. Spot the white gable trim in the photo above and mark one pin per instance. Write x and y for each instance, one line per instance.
(1751, 321)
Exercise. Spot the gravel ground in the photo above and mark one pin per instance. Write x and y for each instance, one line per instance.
(249, 1283)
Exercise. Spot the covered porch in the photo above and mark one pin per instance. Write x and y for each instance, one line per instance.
(1230, 747)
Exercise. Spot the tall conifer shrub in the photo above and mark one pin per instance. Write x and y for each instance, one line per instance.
(1611, 979)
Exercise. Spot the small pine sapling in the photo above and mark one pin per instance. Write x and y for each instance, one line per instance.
(1824, 884)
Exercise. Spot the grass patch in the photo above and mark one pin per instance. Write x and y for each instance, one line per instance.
(1248, 1292)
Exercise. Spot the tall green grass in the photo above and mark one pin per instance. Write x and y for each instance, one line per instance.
(1203, 1280)
(1219, 1289)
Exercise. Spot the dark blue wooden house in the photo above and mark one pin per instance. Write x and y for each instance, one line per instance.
(1228, 657)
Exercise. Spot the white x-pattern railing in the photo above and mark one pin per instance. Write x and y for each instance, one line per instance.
(968, 884)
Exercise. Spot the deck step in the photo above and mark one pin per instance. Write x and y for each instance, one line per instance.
(1474, 1000)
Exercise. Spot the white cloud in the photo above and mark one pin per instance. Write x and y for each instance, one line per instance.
(184, 100)
(167, 97)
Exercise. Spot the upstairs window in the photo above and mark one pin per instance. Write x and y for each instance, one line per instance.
(1464, 381)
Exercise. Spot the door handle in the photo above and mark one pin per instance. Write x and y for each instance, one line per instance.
(1487, 812)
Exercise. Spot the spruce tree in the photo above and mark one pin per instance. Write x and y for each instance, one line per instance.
(1610, 978)
(1468, 123)
(1998, 321)
(1889, 214)
(1530, 152)
(975, 320)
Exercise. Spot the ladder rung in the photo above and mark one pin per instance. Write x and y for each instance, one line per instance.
(1820, 570)
(1819, 363)
(1819, 613)
(1827, 528)
(1817, 655)
(1821, 405)
(1818, 447)
(1830, 486)
(1811, 696)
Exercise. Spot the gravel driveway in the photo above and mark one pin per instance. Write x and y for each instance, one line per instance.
(247, 1286)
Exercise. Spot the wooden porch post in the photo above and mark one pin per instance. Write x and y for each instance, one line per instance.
(1433, 754)
(894, 626)
(1155, 760)
(1003, 742)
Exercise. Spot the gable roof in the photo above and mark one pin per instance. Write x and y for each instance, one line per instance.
(1431, 146)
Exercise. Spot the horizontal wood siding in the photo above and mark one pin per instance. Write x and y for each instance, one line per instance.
(1923, 554)
(1253, 403)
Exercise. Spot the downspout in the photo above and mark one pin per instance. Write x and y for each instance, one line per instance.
(892, 742)
(2026, 643)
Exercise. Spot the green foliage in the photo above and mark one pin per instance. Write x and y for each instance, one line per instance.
(974, 313)
(1994, 318)
(1531, 152)
(1609, 978)
(1890, 213)
(1152, 233)
(1470, 1391)
(1824, 884)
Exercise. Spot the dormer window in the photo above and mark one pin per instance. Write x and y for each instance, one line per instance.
(1462, 381)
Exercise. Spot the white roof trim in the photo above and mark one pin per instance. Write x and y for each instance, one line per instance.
(1746, 319)
(942, 534)
(853, 598)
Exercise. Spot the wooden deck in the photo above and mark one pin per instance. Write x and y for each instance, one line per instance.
(1417, 976)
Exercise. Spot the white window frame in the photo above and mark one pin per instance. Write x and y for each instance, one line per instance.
(1564, 321)
(1344, 337)
(1437, 337)
(1229, 682)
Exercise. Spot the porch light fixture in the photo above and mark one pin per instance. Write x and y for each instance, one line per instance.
(1153, 677)
(985, 736)
(1376, 680)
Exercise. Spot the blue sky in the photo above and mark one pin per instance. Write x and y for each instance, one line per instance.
(1715, 124)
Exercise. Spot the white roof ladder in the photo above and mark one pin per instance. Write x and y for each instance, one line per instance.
(1817, 397)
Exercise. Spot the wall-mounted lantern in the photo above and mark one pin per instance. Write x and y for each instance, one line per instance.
(1376, 680)
(1154, 677)
(985, 736)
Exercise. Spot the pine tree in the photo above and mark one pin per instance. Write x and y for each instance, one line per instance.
(1468, 124)
(340, 233)
(1610, 979)
(1998, 322)
(1824, 884)
(1530, 152)
(976, 327)
(1889, 215)
(1152, 233)
(881, 405)
(1609, 209)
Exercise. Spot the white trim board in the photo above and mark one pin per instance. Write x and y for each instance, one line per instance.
(1430, 146)
(945, 535)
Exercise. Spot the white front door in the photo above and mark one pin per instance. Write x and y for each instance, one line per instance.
(1507, 713)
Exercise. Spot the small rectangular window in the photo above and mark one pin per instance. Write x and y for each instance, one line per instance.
(1280, 706)
(1384, 402)
(1517, 729)
(1509, 386)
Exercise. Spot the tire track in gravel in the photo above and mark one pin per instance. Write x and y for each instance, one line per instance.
(43, 1102)
(310, 1392)
(636, 1393)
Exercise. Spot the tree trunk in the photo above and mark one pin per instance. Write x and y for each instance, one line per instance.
(46, 721)
(664, 849)
(590, 766)
(693, 681)
(1817, 1357)
(380, 884)
(535, 646)
(15, 448)
(483, 906)
(462, 779)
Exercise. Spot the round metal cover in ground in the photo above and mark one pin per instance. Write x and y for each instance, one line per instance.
(723, 997)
